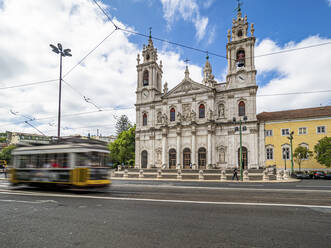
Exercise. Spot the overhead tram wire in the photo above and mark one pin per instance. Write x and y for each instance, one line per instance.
(86, 99)
(28, 84)
(79, 62)
(295, 93)
(72, 115)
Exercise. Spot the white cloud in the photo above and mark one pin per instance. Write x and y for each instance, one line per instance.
(208, 3)
(188, 10)
(329, 3)
(107, 76)
(299, 71)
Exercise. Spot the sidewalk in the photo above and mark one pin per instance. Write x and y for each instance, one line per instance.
(2, 176)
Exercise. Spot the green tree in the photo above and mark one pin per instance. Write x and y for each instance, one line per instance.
(122, 150)
(5, 153)
(122, 124)
(301, 153)
(323, 151)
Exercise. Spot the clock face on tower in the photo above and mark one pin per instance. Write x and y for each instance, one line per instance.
(145, 94)
(241, 78)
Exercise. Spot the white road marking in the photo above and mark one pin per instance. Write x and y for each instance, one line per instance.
(169, 201)
(218, 188)
(298, 186)
(32, 202)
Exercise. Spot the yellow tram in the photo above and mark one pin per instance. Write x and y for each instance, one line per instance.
(69, 162)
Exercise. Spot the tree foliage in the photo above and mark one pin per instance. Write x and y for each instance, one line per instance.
(323, 151)
(301, 153)
(5, 153)
(122, 124)
(122, 150)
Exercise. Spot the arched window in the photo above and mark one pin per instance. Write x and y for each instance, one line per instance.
(144, 159)
(145, 78)
(172, 158)
(172, 114)
(240, 58)
(202, 157)
(186, 158)
(241, 108)
(202, 111)
(144, 119)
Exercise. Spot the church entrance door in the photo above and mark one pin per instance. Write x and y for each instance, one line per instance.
(172, 158)
(186, 158)
(244, 157)
(144, 159)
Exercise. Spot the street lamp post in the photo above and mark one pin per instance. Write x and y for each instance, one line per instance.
(63, 53)
(291, 141)
(285, 157)
(244, 128)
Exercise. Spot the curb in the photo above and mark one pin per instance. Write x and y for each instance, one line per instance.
(204, 181)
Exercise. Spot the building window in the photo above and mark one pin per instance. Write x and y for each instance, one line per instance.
(202, 157)
(145, 119)
(270, 153)
(241, 108)
(202, 111)
(145, 78)
(268, 133)
(285, 131)
(320, 129)
(172, 158)
(286, 152)
(302, 130)
(172, 114)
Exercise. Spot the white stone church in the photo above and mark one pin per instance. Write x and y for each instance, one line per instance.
(192, 125)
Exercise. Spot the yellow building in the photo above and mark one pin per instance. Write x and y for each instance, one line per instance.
(308, 126)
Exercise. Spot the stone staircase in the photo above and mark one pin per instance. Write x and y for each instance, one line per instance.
(186, 174)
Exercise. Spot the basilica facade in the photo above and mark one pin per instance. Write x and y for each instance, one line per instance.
(197, 124)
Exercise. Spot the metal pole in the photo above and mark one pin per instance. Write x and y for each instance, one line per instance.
(59, 114)
(240, 159)
(291, 139)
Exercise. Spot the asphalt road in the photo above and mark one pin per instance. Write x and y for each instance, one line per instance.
(169, 214)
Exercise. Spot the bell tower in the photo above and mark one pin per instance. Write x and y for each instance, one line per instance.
(149, 72)
(240, 53)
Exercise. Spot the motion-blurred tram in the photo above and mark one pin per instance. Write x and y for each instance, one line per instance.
(68, 162)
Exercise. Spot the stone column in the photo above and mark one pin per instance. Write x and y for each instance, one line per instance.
(164, 147)
(193, 132)
(209, 148)
(178, 150)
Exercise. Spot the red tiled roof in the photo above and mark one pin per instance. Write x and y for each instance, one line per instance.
(295, 114)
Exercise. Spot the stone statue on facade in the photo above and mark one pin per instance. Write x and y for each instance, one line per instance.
(192, 115)
(210, 114)
(159, 117)
(164, 119)
(179, 117)
(165, 88)
(221, 110)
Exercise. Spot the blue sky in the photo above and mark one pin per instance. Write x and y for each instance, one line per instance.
(282, 21)
(108, 75)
